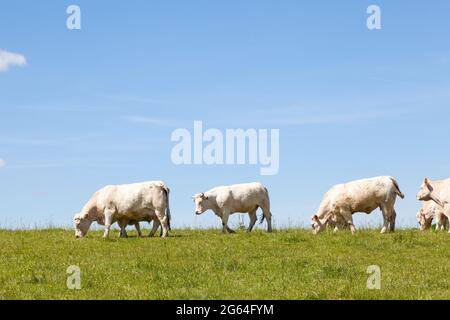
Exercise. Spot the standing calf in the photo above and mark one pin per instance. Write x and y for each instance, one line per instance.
(243, 198)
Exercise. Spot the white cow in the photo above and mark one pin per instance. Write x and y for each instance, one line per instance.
(243, 198)
(343, 200)
(126, 204)
(428, 212)
(437, 191)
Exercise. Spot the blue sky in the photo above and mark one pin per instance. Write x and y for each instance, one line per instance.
(97, 106)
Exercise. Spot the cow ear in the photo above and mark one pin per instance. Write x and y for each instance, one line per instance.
(428, 183)
(315, 218)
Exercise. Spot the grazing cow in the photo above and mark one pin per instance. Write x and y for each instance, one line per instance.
(343, 200)
(126, 204)
(428, 212)
(437, 191)
(243, 198)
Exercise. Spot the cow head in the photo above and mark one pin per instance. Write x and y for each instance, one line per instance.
(425, 191)
(82, 224)
(317, 225)
(424, 220)
(201, 203)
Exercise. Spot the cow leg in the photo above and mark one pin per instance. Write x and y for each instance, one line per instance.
(123, 231)
(138, 229)
(156, 225)
(225, 228)
(443, 222)
(440, 222)
(230, 230)
(387, 213)
(108, 222)
(253, 218)
(348, 218)
(393, 219)
(385, 224)
(164, 222)
(268, 215)
(447, 213)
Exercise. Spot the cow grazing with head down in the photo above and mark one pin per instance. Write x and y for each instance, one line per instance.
(243, 198)
(343, 200)
(127, 205)
(428, 212)
(437, 191)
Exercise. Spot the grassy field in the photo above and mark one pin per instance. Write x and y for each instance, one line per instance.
(290, 264)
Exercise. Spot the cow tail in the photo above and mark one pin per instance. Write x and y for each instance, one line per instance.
(397, 189)
(263, 217)
(169, 217)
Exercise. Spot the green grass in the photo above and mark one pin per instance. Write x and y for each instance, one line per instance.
(291, 264)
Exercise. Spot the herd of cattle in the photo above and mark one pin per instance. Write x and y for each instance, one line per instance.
(149, 201)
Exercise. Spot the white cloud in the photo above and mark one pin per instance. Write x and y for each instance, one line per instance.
(140, 119)
(133, 99)
(159, 122)
(151, 121)
(38, 142)
(8, 59)
(2, 163)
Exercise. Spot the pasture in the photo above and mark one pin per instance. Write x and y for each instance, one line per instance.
(204, 264)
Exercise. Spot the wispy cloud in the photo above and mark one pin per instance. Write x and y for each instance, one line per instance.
(8, 59)
(135, 99)
(2, 163)
(43, 165)
(137, 119)
(338, 118)
(58, 109)
(69, 163)
(141, 119)
(293, 116)
(36, 141)
(289, 116)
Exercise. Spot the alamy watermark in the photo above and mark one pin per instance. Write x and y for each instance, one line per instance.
(374, 19)
(374, 279)
(73, 21)
(231, 147)
(74, 279)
